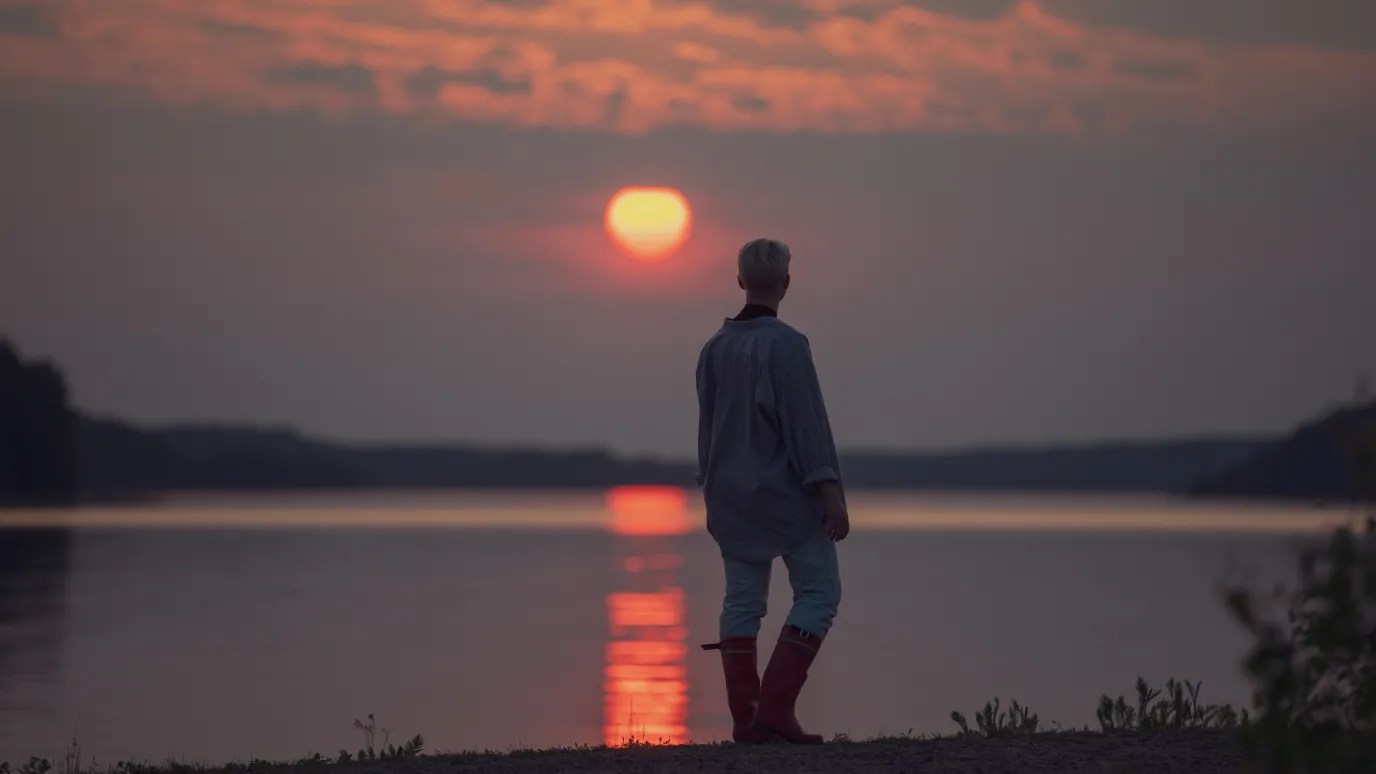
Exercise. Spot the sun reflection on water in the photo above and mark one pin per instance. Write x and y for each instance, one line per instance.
(646, 678)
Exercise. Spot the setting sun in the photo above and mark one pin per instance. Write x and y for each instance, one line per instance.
(648, 223)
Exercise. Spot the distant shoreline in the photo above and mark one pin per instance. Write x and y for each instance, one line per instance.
(118, 459)
(1311, 464)
(122, 464)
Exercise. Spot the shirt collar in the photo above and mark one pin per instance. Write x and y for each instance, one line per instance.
(754, 311)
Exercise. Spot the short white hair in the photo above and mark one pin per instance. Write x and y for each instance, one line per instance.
(763, 264)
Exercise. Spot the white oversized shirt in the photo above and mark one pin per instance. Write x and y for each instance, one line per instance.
(764, 440)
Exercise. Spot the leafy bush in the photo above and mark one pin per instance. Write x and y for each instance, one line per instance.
(1313, 661)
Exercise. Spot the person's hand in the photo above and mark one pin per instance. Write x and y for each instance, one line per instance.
(834, 513)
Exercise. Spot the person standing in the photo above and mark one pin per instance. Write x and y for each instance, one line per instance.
(772, 485)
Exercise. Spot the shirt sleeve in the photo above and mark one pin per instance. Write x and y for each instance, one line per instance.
(803, 420)
(706, 395)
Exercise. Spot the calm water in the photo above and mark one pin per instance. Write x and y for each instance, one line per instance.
(222, 629)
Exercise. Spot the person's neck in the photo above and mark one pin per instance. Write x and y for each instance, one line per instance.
(753, 310)
(771, 304)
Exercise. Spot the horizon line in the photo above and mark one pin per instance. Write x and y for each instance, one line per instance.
(989, 447)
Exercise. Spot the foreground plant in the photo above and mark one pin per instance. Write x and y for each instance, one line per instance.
(1313, 661)
(384, 751)
(34, 766)
(992, 722)
(1177, 709)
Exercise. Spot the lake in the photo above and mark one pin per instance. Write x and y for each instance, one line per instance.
(213, 629)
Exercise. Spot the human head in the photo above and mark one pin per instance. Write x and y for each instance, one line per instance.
(762, 271)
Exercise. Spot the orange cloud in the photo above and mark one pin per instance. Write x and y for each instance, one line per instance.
(634, 66)
(696, 52)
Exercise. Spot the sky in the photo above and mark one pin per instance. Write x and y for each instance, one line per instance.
(381, 220)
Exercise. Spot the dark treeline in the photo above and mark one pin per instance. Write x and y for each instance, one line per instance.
(1330, 458)
(1170, 466)
(118, 458)
(38, 451)
(51, 455)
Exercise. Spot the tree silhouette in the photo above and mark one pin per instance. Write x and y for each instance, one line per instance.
(38, 453)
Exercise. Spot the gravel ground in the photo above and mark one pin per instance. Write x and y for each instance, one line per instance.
(1188, 753)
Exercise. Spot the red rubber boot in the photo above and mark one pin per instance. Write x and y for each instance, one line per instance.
(776, 718)
(739, 663)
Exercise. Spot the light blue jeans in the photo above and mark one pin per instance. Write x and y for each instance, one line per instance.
(813, 573)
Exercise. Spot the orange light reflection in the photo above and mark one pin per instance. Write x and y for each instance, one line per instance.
(645, 683)
(649, 510)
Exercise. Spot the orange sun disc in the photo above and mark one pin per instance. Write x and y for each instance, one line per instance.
(648, 223)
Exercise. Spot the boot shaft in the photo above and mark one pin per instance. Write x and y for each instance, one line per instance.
(739, 662)
(788, 666)
(782, 683)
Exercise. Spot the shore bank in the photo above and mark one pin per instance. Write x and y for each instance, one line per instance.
(1185, 752)
(1202, 752)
